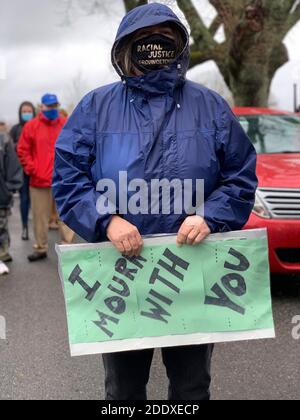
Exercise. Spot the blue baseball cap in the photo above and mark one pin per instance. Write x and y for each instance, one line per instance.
(49, 99)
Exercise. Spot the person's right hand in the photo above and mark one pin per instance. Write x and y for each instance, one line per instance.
(125, 237)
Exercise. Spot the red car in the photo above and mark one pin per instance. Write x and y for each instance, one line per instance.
(276, 137)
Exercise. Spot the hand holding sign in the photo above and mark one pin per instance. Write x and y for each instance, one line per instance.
(193, 231)
(125, 237)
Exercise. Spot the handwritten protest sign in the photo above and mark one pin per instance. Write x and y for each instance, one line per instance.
(216, 292)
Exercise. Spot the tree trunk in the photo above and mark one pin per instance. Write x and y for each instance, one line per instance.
(251, 72)
(253, 50)
(252, 92)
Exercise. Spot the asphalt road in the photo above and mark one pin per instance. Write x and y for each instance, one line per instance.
(35, 361)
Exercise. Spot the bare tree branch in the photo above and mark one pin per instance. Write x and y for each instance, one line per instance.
(283, 7)
(230, 12)
(200, 33)
(199, 57)
(279, 56)
(215, 25)
(294, 17)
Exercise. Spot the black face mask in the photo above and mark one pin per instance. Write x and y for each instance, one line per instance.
(153, 52)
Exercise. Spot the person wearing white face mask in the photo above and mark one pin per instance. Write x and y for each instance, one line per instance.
(26, 113)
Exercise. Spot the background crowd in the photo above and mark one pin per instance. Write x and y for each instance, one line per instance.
(26, 165)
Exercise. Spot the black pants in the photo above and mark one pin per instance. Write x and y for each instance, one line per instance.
(188, 370)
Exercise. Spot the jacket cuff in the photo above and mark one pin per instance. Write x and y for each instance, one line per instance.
(215, 227)
(104, 225)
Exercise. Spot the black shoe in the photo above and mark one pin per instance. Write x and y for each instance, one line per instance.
(7, 258)
(37, 256)
(25, 234)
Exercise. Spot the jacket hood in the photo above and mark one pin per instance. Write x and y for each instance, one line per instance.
(159, 80)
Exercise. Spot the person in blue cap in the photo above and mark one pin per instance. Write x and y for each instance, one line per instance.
(36, 152)
(154, 125)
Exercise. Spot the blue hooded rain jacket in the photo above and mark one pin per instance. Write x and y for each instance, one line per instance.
(157, 126)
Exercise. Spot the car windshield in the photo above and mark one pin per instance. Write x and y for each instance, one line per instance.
(273, 133)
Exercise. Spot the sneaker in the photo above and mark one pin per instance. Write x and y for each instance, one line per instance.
(37, 256)
(6, 258)
(3, 269)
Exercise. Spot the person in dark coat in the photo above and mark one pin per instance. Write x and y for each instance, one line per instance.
(11, 179)
(154, 125)
(26, 113)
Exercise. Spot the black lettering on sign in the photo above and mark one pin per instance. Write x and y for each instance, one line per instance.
(103, 323)
(156, 276)
(234, 283)
(240, 289)
(176, 262)
(223, 300)
(125, 292)
(157, 313)
(75, 277)
(121, 268)
(116, 304)
(243, 262)
(137, 261)
(164, 299)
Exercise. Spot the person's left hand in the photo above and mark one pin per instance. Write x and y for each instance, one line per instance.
(193, 231)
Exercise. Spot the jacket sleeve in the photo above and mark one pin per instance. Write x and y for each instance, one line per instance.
(74, 190)
(24, 150)
(229, 207)
(13, 169)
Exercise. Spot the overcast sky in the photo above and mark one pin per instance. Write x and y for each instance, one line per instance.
(41, 53)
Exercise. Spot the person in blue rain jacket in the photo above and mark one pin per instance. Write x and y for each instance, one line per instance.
(154, 124)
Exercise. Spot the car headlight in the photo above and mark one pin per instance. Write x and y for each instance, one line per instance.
(260, 209)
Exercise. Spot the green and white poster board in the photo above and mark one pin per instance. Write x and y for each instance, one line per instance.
(171, 296)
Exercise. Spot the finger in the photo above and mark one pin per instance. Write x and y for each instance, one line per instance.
(183, 234)
(193, 235)
(134, 245)
(120, 247)
(200, 238)
(141, 244)
(127, 247)
(185, 230)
